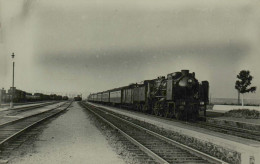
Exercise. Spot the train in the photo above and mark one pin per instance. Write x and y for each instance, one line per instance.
(178, 95)
(21, 96)
(78, 98)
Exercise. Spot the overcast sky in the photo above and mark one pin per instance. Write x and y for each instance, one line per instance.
(85, 46)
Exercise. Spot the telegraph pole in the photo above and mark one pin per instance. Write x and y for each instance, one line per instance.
(0, 97)
(12, 98)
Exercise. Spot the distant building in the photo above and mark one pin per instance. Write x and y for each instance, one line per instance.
(2, 95)
(19, 95)
(10, 91)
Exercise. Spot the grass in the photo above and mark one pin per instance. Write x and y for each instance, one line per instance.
(243, 113)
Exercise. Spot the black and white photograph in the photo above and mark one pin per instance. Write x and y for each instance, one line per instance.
(129, 82)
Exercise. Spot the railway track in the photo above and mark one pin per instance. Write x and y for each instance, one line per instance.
(13, 129)
(158, 147)
(229, 130)
(226, 129)
(18, 110)
(23, 103)
(239, 132)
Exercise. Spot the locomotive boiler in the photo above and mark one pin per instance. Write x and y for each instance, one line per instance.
(179, 95)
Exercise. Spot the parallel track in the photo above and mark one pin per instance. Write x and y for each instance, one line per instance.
(15, 128)
(234, 131)
(158, 147)
(23, 103)
(26, 108)
(239, 132)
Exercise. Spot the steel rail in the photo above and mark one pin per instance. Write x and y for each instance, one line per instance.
(34, 123)
(238, 132)
(14, 121)
(182, 146)
(228, 127)
(223, 129)
(170, 141)
(25, 108)
(31, 106)
(135, 142)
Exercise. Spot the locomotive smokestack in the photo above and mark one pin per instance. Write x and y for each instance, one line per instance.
(185, 72)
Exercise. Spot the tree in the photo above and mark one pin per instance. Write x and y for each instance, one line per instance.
(243, 83)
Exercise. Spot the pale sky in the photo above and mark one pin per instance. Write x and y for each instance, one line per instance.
(81, 46)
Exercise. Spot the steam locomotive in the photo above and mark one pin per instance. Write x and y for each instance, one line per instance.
(178, 95)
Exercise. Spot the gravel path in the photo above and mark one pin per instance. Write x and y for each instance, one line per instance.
(70, 138)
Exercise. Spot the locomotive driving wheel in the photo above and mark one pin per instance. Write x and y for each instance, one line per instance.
(168, 112)
(178, 115)
(144, 108)
(136, 107)
(157, 109)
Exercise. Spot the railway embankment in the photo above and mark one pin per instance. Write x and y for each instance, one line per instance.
(243, 123)
(229, 148)
(246, 117)
(225, 108)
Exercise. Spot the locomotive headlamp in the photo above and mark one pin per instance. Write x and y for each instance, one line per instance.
(190, 81)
